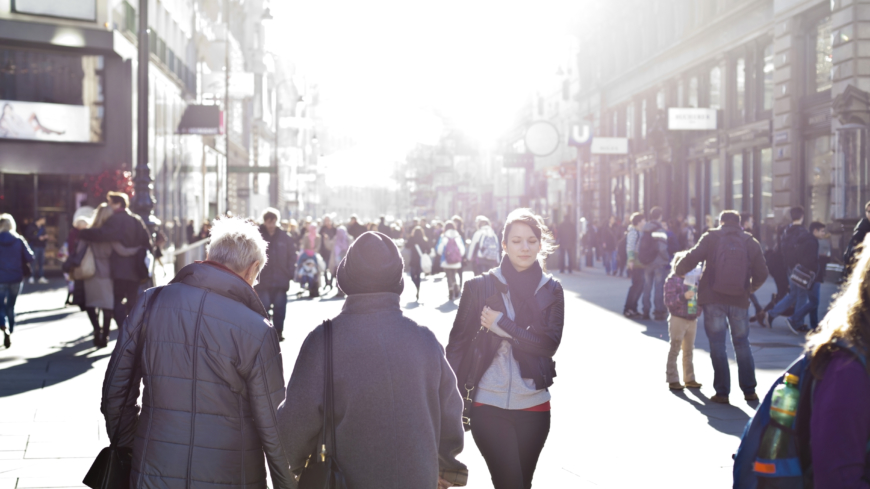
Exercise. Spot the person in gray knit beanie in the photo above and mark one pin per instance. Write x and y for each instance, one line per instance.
(398, 411)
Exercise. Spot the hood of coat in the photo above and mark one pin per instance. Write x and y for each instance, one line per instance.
(222, 282)
(451, 233)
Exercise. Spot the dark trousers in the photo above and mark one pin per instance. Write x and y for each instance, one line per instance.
(566, 257)
(124, 289)
(39, 262)
(275, 298)
(636, 289)
(510, 442)
(415, 276)
(94, 316)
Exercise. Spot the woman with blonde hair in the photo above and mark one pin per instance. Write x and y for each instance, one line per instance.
(839, 424)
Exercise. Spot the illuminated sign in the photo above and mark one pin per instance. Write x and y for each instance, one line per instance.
(691, 119)
(46, 122)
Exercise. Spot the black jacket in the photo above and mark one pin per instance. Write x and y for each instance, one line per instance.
(127, 229)
(705, 250)
(800, 247)
(355, 229)
(537, 342)
(861, 230)
(281, 260)
(213, 380)
(411, 244)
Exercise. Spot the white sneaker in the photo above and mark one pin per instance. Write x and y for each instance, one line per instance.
(42, 280)
(31, 281)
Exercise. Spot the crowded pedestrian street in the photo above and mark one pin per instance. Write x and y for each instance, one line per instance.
(616, 423)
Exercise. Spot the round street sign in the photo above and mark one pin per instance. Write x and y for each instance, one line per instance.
(542, 138)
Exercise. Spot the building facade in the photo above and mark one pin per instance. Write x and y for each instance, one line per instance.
(788, 80)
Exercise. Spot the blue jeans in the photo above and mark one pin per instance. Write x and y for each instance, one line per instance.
(655, 277)
(39, 262)
(276, 298)
(717, 318)
(811, 307)
(8, 295)
(796, 296)
(609, 259)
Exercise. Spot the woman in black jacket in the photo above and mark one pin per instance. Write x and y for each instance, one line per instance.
(507, 329)
(417, 244)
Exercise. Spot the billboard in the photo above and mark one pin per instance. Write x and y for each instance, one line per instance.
(691, 119)
(67, 9)
(46, 122)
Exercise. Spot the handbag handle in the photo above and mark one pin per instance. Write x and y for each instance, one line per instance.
(136, 362)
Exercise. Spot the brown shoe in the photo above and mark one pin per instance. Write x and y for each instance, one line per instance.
(720, 399)
(693, 384)
(751, 397)
(675, 386)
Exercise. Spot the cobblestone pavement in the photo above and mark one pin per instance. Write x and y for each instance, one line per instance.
(614, 421)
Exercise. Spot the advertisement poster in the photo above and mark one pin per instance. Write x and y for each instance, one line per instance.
(45, 122)
(68, 9)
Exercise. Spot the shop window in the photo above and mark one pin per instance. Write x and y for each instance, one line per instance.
(737, 182)
(693, 92)
(767, 103)
(740, 102)
(715, 189)
(643, 112)
(819, 159)
(854, 179)
(715, 87)
(821, 78)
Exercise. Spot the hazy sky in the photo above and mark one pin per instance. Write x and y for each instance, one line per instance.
(385, 67)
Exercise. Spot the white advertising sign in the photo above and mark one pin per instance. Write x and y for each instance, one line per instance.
(241, 84)
(69, 9)
(691, 119)
(609, 146)
(45, 122)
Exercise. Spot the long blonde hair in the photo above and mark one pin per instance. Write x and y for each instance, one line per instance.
(848, 321)
(101, 214)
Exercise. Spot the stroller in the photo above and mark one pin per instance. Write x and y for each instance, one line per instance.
(308, 271)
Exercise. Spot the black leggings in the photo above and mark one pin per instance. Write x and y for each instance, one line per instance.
(510, 442)
(93, 315)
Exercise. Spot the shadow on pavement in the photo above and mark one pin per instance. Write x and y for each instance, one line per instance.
(412, 305)
(448, 306)
(724, 418)
(70, 361)
(49, 318)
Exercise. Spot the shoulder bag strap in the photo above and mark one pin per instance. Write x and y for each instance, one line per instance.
(330, 391)
(137, 360)
(327, 429)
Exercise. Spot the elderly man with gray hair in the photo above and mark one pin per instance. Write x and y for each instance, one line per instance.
(211, 367)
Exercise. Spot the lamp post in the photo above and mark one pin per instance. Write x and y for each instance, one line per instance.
(143, 184)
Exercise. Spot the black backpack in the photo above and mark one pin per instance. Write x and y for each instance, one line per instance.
(731, 264)
(648, 249)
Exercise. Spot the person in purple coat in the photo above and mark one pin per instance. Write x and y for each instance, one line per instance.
(840, 419)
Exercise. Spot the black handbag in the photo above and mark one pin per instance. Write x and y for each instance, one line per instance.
(802, 277)
(111, 469)
(478, 355)
(321, 470)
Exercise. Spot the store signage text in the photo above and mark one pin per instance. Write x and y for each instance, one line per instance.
(609, 146)
(691, 119)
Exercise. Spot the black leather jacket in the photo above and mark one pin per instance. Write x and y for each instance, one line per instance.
(534, 345)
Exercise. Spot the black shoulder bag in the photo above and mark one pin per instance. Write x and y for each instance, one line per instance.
(476, 359)
(321, 470)
(111, 469)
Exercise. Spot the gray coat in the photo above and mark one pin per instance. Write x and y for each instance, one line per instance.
(213, 381)
(98, 288)
(397, 409)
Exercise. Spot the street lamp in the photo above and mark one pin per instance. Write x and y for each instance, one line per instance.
(143, 184)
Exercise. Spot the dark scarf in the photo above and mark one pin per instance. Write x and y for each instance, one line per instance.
(522, 287)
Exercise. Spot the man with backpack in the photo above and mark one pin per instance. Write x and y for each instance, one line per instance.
(734, 268)
(800, 251)
(484, 251)
(653, 254)
(630, 245)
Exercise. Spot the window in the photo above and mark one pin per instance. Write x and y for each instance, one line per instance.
(660, 100)
(693, 92)
(629, 120)
(767, 103)
(681, 89)
(715, 88)
(740, 72)
(615, 125)
(643, 111)
(819, 165)
(715, 188)
(822, 63)
(737, 182)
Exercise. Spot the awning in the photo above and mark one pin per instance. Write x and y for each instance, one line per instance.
(201, 119)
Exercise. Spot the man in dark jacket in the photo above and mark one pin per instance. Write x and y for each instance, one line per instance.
(212, 374)
(37, 237)
(858, 235)
(395, 394)
(657, 270)
(798, 247)
(279, 270)
(723, 310)
(607, 244)
(567, 232)
(127, 271)
(354, 228)
(811, 307)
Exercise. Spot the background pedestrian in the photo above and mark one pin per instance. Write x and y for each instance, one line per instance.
(14, 255)
(451, 250)
(417, 244)
(37, 237)
(278, 271)
(635, 267)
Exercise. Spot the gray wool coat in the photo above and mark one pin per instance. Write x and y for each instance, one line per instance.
(397, 408)
(213, 380)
